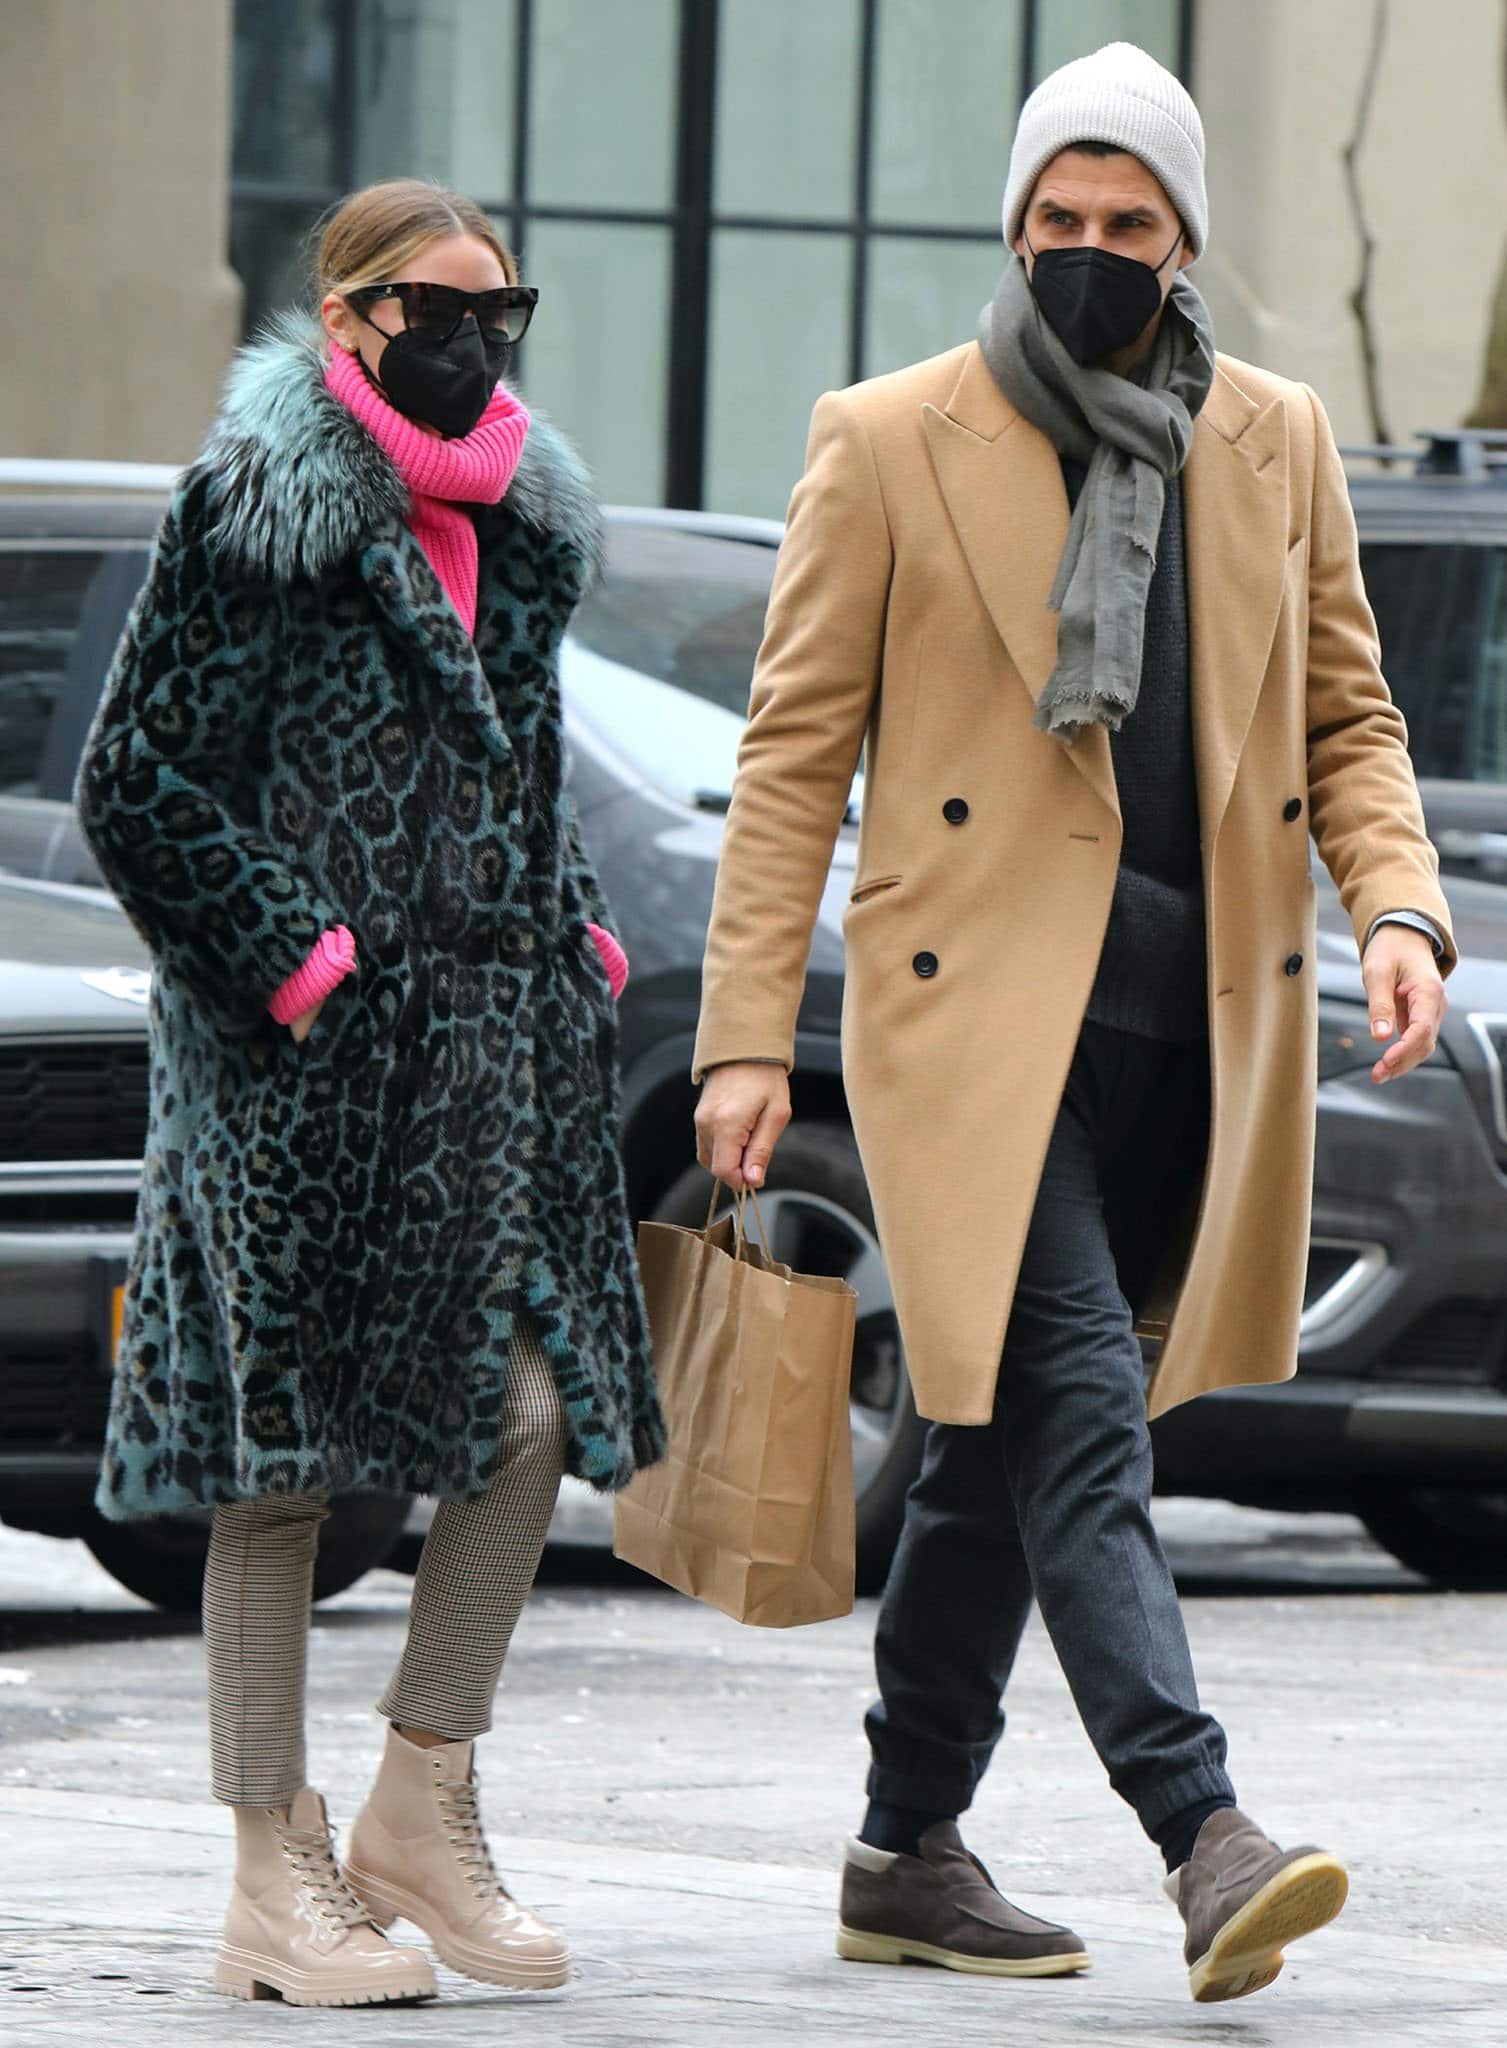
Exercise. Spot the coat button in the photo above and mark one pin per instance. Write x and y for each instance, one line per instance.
(1292, 809)
(955, 810)
(925, 965)
(1293, 964)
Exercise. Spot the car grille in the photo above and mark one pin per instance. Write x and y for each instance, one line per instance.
(1455, 1343)
(78, 1099)
(52, 1393)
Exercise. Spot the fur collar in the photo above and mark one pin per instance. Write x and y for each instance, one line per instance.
(295, 483)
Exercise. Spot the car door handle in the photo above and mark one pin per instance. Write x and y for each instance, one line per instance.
(1458, 845)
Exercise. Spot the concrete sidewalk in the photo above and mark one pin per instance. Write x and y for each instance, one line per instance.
(673, 1790)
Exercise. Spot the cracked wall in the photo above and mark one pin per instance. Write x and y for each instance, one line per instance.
(1281, 85)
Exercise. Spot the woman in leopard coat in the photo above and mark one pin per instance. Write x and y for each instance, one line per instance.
(382, 1237)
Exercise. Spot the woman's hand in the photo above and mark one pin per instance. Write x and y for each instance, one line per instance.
(301, 1025)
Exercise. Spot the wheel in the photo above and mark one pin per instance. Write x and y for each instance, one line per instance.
(1458, 1539)
(161, 1558)
(816, 1209)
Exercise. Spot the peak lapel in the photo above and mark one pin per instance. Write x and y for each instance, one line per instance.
(1235, 506)
(1002, 484)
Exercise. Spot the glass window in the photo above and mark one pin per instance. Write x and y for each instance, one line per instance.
(787, 107)
(42, 592)
(602, 118)
(685, 607)
(1488, 737)
(944, 111)
(661, 654)
(272, 255)
(1430, 602)
(435, 92)
(779, 338)
(924, 297)
(286, 71)
(1076, 28)
(596, 358)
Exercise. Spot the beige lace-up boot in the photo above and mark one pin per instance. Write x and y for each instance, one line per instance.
(294, 1928)
(417, 1851)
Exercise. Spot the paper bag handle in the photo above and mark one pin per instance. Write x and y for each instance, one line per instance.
(741, 1237)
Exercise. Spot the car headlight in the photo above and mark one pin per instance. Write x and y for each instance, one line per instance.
(1346, 1045)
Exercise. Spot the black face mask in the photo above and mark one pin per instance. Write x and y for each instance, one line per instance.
(1094, 301)
(446, 384)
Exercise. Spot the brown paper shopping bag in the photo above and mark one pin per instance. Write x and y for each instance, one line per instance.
(752, 1508)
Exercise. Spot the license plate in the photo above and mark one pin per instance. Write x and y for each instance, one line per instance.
(107, 1294)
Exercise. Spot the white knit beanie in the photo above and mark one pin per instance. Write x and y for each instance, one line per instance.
(1117, 95)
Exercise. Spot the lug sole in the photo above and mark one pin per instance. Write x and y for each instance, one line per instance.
(241, 1974)
(386, 1902)
(1246, 1954)
(856, 1947)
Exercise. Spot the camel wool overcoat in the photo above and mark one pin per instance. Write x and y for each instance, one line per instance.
(334, 1236)
(909, 611)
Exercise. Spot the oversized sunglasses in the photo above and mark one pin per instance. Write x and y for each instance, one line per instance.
(439, 309)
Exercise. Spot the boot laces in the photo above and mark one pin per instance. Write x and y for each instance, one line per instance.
(313, 1858)
(458, 1804)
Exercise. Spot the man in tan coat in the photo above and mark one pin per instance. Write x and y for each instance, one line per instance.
(1089, 594)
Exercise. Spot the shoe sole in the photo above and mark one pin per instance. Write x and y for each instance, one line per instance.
(241, 1974)
(856, 1947)
(388, 1902)
(1246, 1954)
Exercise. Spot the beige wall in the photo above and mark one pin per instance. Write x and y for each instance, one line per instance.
(119, 309)
(1278, 83)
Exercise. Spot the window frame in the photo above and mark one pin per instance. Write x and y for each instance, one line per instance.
(691, 216)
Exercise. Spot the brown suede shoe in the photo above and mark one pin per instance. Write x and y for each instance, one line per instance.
(941, 1907)
(1243, 1899)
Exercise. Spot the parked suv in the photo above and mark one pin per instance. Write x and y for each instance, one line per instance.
(1400, 1405)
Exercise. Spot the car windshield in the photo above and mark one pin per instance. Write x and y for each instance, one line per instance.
(661, 653)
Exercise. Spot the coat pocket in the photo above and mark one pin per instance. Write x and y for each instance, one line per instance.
(862, 891)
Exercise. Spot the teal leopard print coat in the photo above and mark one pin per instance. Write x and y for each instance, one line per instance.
(333, 1237)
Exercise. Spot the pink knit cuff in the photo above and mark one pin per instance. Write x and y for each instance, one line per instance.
(333, 957)
(614, 959)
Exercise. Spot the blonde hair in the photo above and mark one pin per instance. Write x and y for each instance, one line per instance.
(377, 230)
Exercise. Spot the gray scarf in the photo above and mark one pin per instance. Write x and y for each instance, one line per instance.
(1133, 432)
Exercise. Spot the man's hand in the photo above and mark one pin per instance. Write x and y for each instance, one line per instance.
(301, 1023)
(744, 1107)
(1406, 995)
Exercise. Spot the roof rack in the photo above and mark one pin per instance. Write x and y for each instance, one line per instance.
(1477, 454)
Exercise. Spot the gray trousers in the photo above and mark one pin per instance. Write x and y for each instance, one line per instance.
(1053, 1497)
(477, 1565)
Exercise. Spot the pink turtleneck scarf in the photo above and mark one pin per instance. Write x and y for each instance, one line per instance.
(442, 476)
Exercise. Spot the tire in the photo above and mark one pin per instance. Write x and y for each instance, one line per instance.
(1457, 1539)
(161, 1558)
(816, 1206)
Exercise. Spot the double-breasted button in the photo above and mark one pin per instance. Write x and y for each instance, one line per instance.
(925, 965)
(1293, 964)
(1292, 809)
(955, 810)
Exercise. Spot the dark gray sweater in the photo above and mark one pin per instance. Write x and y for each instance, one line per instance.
(1152, 974)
